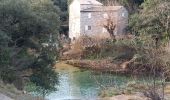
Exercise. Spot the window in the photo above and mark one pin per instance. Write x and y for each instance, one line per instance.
(105, 15)
(74, 38)
(89, 15)
(123, 14)
(104, 30)
(87, 27)
(115, 32)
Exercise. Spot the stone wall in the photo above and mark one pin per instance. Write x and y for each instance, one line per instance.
(97, 19)
(74, 19)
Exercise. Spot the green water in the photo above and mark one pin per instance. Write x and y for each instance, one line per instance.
(86, 84)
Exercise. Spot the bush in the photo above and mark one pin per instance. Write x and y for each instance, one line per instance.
(99, 48)
(142, 53)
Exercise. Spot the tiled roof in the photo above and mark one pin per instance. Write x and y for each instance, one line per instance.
(90, 2)
(103, 8)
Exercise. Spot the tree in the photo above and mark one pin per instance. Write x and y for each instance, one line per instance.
(24, 26)
(63, 5)
(110, 27)
(44, 78)
(153, 19)
(131, 5)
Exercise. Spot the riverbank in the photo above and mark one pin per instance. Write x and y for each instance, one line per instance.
(120, 56)
(120, 67)
(127, 97)
(102, 65)
(4, 97)
(9, 92)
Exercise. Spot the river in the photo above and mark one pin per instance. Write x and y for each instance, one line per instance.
(75, 83)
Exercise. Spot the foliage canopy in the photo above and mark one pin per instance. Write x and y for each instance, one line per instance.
(25, 25)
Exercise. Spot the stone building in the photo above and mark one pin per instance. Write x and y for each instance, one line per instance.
(87, 17)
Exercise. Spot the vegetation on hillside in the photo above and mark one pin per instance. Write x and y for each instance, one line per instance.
(131, 5)
(153, 19)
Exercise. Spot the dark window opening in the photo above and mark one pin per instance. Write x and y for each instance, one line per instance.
(89, 27)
